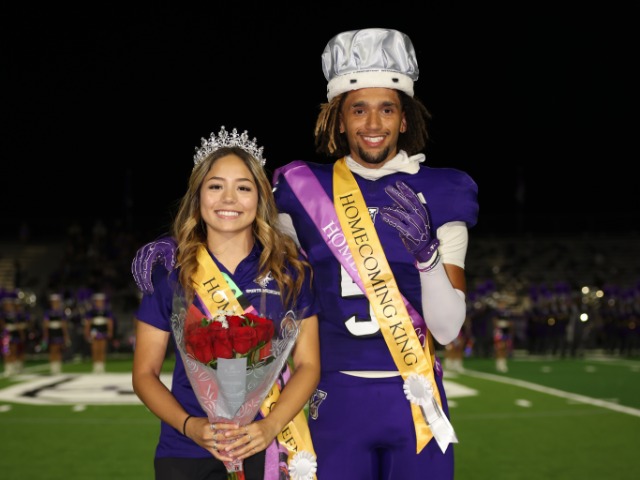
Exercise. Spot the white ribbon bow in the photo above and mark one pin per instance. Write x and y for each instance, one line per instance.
(303, 466)
(419, 392)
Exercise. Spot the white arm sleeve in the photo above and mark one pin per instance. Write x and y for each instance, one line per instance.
(444, 308)
(454, 238)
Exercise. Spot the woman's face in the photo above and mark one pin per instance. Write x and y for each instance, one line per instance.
(229, 197)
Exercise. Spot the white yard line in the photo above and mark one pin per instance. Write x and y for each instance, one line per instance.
(553, 391)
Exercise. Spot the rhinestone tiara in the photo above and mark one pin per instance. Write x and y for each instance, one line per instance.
(226, 139)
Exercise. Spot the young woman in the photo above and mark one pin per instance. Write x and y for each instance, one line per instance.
(98, 330)
(229, 210)
(55, 332)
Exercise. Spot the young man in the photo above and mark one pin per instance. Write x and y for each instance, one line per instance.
(387, 238)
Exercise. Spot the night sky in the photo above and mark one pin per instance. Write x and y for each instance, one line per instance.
(103, 106)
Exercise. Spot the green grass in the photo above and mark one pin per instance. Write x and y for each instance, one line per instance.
(56, 443)
(517, 426)
(67, 442)
(515, 433)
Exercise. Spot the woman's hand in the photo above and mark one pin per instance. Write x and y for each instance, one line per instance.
(211, 436)
(245, 441)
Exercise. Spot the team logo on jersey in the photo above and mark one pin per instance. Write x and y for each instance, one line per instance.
(314, 404)
(264, 281)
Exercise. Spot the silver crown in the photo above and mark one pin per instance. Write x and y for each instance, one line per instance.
(226, 139)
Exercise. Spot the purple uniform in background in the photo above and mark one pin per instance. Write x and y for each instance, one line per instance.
(364, 414)
(56, 319)
(99, 318)
(155, 309)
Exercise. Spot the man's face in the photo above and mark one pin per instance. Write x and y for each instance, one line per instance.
(372, 119)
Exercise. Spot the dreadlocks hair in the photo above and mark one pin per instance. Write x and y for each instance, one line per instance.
(330, 142)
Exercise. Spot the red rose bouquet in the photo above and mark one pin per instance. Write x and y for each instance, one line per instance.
(232, 361)
(230, 336)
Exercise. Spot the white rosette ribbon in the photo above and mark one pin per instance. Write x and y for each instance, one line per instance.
(419, 392)
(303, 466)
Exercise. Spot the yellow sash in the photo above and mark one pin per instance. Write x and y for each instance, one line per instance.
(382, 290)
(216, 294)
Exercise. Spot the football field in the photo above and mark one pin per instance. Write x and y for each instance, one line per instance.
(551, 419)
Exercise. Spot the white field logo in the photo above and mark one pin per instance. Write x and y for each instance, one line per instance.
(74, 389)
(107, 389)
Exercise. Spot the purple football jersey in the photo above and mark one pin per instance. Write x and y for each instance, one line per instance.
(344, 405)
(350, 339)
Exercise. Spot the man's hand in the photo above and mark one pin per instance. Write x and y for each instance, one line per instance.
(162, 251)
(411, 219)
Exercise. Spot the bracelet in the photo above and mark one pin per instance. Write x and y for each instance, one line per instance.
(429, 267)
(184, 425)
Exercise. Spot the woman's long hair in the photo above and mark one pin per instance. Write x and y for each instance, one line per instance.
(279, 251)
